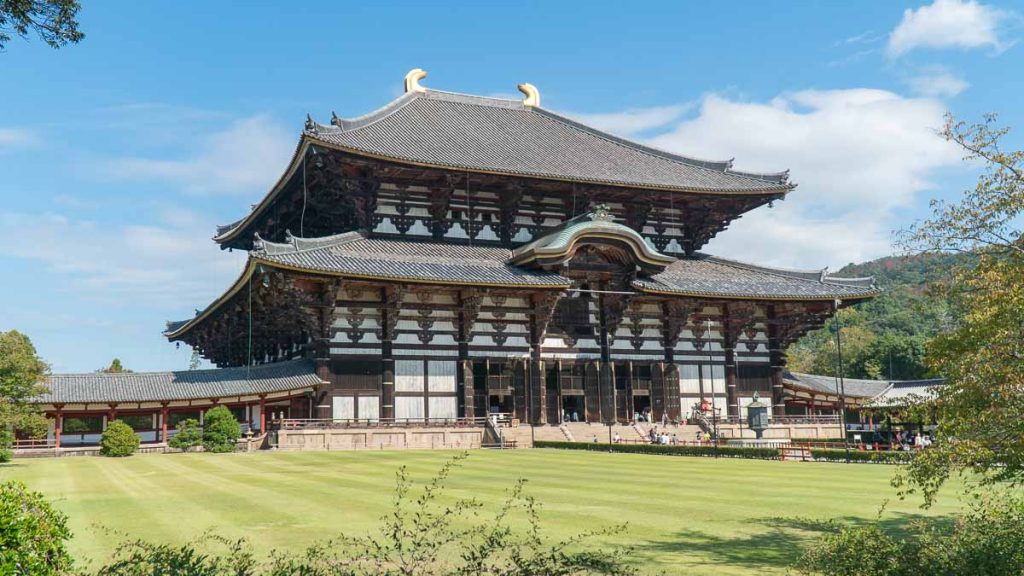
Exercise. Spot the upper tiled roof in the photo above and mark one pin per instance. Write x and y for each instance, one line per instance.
(464, 132)
(99, 387)
(352, 254)
(703, 275)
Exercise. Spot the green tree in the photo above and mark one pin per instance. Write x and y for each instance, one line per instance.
(21, 375)
(980, 410)
(115, 367)
(188, 435)
(33, 536)
(118, 440)
(54, 21)
(220, 430)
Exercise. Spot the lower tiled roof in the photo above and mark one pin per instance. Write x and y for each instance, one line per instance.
(432, 262)
(704, 275)
(100, 387)
(854, 387)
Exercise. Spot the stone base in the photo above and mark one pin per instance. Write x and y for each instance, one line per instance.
(379, 438)
(756, 443)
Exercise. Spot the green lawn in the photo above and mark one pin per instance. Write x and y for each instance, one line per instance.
(686, 515)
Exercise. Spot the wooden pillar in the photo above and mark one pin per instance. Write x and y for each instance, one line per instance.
(777, 360)
(58, 426)
(111, 413)
(630, 388)
(263, 414)
(657, 393)
(731, 399)
(469, 389)
(163, 423)
(592, 391)
(538, 400)
(673, 406)
(389, 317)
(519, 385)
(606, 376)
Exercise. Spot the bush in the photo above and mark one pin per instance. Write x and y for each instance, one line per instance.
(220, 430)
(987, 539)
(32, 534)
(118, 440)
(188, 435)
(6, 445)
(875, 456)
(709, 450)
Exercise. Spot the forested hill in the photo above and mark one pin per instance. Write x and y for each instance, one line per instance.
(886, 337)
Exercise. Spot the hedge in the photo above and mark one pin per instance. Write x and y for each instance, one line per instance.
(873, 456)
(825, 455)
(709, 450)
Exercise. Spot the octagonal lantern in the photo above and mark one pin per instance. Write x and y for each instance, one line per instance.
(757, 416)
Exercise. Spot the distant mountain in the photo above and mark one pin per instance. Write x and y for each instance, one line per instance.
(887, 336)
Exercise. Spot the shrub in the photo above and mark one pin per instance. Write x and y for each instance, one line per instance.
(220, 430)
(876, 456)
(6, 443)
(32, 534)
(118, 440)
(986, 539)
(188, 435)
(709, 450)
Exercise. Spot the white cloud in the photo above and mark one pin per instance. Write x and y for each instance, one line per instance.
(634, 121)
(858, 156)
(12, 138)
(244, 158)
(166, 267)
(937, 84)
(948, 24)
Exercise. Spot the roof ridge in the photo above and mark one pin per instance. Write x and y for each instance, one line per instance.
(102, 374)
(810, 275)
(726, 165)
(293, 244)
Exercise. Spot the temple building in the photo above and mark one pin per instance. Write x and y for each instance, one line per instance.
(450, 256)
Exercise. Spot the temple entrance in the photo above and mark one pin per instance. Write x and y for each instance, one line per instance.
(573, 409)
(500, 404)
(642, 408)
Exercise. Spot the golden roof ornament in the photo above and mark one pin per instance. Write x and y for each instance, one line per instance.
(532, 94)
(602, 214)
(412, 80)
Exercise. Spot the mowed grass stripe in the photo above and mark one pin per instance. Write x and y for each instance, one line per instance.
(701, 514)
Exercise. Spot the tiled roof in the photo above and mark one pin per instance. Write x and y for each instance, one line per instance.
(466, 132)
(99, 387)
(905, 390)
(353, 254)
(827, 384)
(704, 275)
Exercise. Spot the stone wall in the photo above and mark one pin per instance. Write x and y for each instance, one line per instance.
(379, 438)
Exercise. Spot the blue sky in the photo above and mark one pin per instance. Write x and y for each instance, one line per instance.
(120, 154)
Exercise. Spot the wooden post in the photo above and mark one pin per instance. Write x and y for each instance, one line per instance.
(732, 402)
(263, 414)
(163, 423)
(58, 426)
